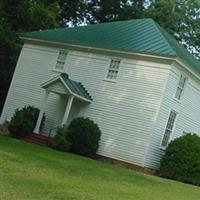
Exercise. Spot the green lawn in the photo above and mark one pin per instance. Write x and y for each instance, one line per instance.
(28, 171)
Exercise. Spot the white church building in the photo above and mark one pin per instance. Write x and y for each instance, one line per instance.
(131, 77)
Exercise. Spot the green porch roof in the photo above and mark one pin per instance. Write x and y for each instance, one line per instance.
(76, 87)
(73, 87)
(140, 36)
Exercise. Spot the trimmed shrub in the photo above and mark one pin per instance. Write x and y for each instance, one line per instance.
(4, 130)
(23, 121)
(182, 160)
(84, 136)
(60, 141)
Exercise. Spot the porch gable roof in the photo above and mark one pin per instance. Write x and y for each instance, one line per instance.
(73, 87)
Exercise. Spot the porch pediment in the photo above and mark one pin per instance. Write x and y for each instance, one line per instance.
(62, 84)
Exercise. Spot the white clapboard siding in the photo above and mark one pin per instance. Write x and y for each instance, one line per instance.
(34, 67)
(125, 110)
(188, 109)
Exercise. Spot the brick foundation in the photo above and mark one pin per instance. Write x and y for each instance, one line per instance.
(127, 165)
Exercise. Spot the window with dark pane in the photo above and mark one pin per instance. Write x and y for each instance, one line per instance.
(169, 128)
(180, 87)
(61, 60)
(113, 69)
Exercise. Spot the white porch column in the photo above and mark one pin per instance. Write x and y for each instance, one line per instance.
(67, 110)
(42, 109)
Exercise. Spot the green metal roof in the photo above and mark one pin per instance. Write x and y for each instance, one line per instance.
(76, 87)
(180, 51)
(142, 35)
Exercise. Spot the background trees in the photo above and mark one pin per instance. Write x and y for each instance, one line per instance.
(19, 16)
(181, 18)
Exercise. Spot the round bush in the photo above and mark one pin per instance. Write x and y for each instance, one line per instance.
(23, 121)
(60, 141)
(84, 136)
(182, 159)
(4, 130)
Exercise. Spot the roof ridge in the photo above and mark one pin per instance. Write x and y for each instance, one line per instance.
(161, 30)
(179, 49)
(84, 26)
(157, 26)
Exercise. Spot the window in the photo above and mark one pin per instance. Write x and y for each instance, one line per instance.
(180, 87)
(169, 128)
(61, 60)
(113, 69)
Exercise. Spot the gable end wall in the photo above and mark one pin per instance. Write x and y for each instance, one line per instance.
(188, 109)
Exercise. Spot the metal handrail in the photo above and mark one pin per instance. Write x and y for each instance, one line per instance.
(50, 130)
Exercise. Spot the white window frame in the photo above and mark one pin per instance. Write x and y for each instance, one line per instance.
(60, 59)
(113, 70)
(180, 88)
(168, 129)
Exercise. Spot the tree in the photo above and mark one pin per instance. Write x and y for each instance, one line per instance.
(18, 16)
(28, 16)
(98, 11)
(106, 11)
(181, 18)
(74, 12)
(181, 160)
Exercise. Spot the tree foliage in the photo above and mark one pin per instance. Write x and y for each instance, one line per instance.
(105, 11)
(84, 136)
(98, 11)
(24, 120)
(181, 160)
(74, 12)
(60, 140)
(181, 18)
(20, 16)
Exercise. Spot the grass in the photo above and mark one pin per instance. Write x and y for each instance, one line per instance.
(29, 172)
